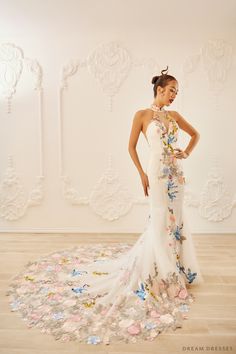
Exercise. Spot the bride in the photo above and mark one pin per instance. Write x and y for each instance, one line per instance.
(104, 293)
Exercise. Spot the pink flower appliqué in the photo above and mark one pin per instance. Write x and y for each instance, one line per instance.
(183, 294)
(74, 318)
(181, 179)
(134, 329)
(155, 314)
(104, 311)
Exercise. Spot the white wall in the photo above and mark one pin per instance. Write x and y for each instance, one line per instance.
(72, 75)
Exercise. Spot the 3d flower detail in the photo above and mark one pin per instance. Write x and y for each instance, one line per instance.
(58, 316)
(93, 340)
(141, 292)
(80, 290)
(177, 233)
(155, 314)
(100, 273)
(134, 329)
(172, 195)
(150, 325)
(181, 179)
(50, 294)
(89, 303)
(183, 308)
(78, 272)
(64, 260)
(15, 305)
(171, 185)
(172, 218)
(166, 171)
(170, 139)
(183, 294)
(167, 318)
(189, 275)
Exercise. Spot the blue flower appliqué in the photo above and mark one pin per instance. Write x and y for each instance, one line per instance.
(93, 340)
(150, 325)
(58, 316)
(141, 292)
(171, 185)
(183, 308)
(80, 290)
(15, 305)
(78, 272)
(189, 275)
(177, 233)
(171, 139)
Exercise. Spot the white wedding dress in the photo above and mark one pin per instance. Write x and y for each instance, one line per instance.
(104, 293)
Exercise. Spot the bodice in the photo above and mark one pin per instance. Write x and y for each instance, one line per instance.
(162, 142)
(160, 138)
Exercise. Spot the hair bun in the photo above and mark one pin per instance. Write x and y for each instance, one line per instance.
(162, 72)
(154, 79)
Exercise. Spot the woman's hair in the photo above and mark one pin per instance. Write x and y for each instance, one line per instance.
(161, 80)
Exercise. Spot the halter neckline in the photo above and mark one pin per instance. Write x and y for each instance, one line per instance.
(155, 108)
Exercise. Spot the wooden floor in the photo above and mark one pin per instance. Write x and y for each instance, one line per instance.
(211, 326)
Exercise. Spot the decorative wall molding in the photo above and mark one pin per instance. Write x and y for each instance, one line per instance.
(34, 67)
(14, 202)
(217, 59)
(11, 65)
(108, 198)
(12, 62)
(13, 199)
(68, 70)
(215, 203)
(215, 56)
(110, 65)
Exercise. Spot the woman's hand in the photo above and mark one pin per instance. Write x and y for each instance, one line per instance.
(180, 154)
(145, 183)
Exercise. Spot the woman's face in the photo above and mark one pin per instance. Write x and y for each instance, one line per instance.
(169, 92)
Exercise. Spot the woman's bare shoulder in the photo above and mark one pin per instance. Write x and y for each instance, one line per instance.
(143, 111)
(141, 114)
(176, 115)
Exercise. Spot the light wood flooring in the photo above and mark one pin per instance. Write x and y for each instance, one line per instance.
(211, 323)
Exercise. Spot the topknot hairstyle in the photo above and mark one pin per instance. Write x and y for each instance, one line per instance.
(161, 80)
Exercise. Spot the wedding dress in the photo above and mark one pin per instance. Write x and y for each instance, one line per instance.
(104, 293)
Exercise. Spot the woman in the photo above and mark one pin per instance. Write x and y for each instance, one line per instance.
(165, 90)
(123, 292)
(164, 180)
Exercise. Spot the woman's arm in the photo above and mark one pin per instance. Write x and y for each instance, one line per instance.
(134, 136)
(188, 128)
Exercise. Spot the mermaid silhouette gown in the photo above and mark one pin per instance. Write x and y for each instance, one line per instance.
(123, 292)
